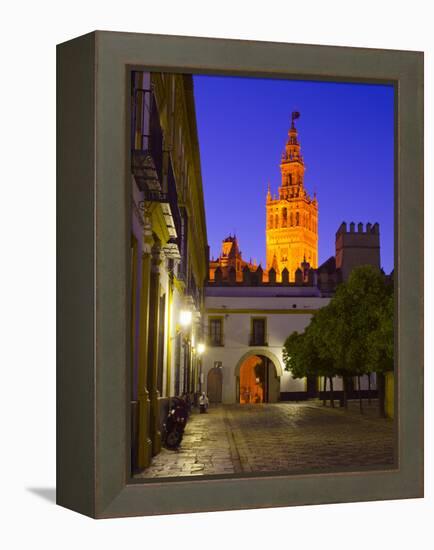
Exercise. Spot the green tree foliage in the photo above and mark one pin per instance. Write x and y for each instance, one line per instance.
(380, 354)
(306, 354)
(380, 340)
(364, 304)
(351, 336)
(294, 356)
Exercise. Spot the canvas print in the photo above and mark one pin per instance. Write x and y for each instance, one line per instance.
(262, 277)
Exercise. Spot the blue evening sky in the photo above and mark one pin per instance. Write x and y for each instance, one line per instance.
(346, 134)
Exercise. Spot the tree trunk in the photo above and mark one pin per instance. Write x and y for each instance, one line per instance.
(381, 386)
(360, 394)
(324, 391)
(369, 388)
(332, 399)
(345, 388)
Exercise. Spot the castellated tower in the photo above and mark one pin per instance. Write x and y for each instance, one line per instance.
(292, 216)
(356, 248)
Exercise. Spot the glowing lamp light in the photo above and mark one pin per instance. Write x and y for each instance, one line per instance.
(185, 318)
(200, 348)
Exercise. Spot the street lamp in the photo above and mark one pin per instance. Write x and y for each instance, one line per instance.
(200, 348)
(185, 318)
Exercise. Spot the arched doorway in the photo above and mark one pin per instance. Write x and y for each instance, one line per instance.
(257, 380)
(214, 385)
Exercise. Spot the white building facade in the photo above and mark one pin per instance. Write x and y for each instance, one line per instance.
(247, 324)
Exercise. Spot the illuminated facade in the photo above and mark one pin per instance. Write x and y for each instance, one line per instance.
(248, 321)
(246, 327)
(230, 264)
(292, 216)
(169, 254)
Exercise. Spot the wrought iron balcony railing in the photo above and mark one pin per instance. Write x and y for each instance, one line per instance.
(147, 131)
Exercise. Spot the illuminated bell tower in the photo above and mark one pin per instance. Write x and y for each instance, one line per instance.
(292, 216)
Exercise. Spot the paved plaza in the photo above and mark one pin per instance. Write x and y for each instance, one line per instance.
(280, 437)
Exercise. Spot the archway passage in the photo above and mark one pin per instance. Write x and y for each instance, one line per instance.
(214, 385)
(258, 382)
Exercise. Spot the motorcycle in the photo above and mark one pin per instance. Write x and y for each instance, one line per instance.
(176, 422)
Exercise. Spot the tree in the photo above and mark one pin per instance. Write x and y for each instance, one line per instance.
(359, 308)
(350, 337)
(303, 354)
(319, 332)
(294, 356)
(381, 347)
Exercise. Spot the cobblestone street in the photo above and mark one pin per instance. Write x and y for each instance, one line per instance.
(285, 437)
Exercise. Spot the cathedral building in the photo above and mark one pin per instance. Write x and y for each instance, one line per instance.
(291, 226)
(292, 215)
(230, 262)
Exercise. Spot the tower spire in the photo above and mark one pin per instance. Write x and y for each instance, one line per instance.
(292, 164)
(292, 216)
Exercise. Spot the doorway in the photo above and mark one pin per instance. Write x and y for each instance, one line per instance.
(258, 381)
(214, 385)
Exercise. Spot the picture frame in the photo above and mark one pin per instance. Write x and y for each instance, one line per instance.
(93, 444)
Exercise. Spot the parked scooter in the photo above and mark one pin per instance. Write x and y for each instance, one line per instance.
(176, 422)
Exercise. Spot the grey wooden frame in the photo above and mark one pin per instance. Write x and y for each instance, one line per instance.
(93, 249)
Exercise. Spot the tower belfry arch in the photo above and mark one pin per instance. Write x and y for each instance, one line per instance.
(292, 215)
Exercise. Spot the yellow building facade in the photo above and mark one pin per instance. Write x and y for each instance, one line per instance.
(169, 254)
(291, 215)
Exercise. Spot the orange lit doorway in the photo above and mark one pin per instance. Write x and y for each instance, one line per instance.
(258, 382)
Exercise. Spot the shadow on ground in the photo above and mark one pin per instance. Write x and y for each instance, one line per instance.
(47, 493)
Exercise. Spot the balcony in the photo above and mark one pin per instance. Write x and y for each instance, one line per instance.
(258, 333)
(214, 342)
(192, 292)
(154, 190)
(152, 168)
(258, 341)
(147, 138)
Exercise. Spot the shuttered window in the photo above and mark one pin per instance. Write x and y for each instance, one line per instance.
(215, 332)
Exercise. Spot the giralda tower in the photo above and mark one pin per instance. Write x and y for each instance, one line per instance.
(292, 216)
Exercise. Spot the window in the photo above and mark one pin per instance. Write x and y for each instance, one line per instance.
(258, 336)
(215, 334)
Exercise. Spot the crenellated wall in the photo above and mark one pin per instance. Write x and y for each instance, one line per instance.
(357, 246)
(256, 276)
